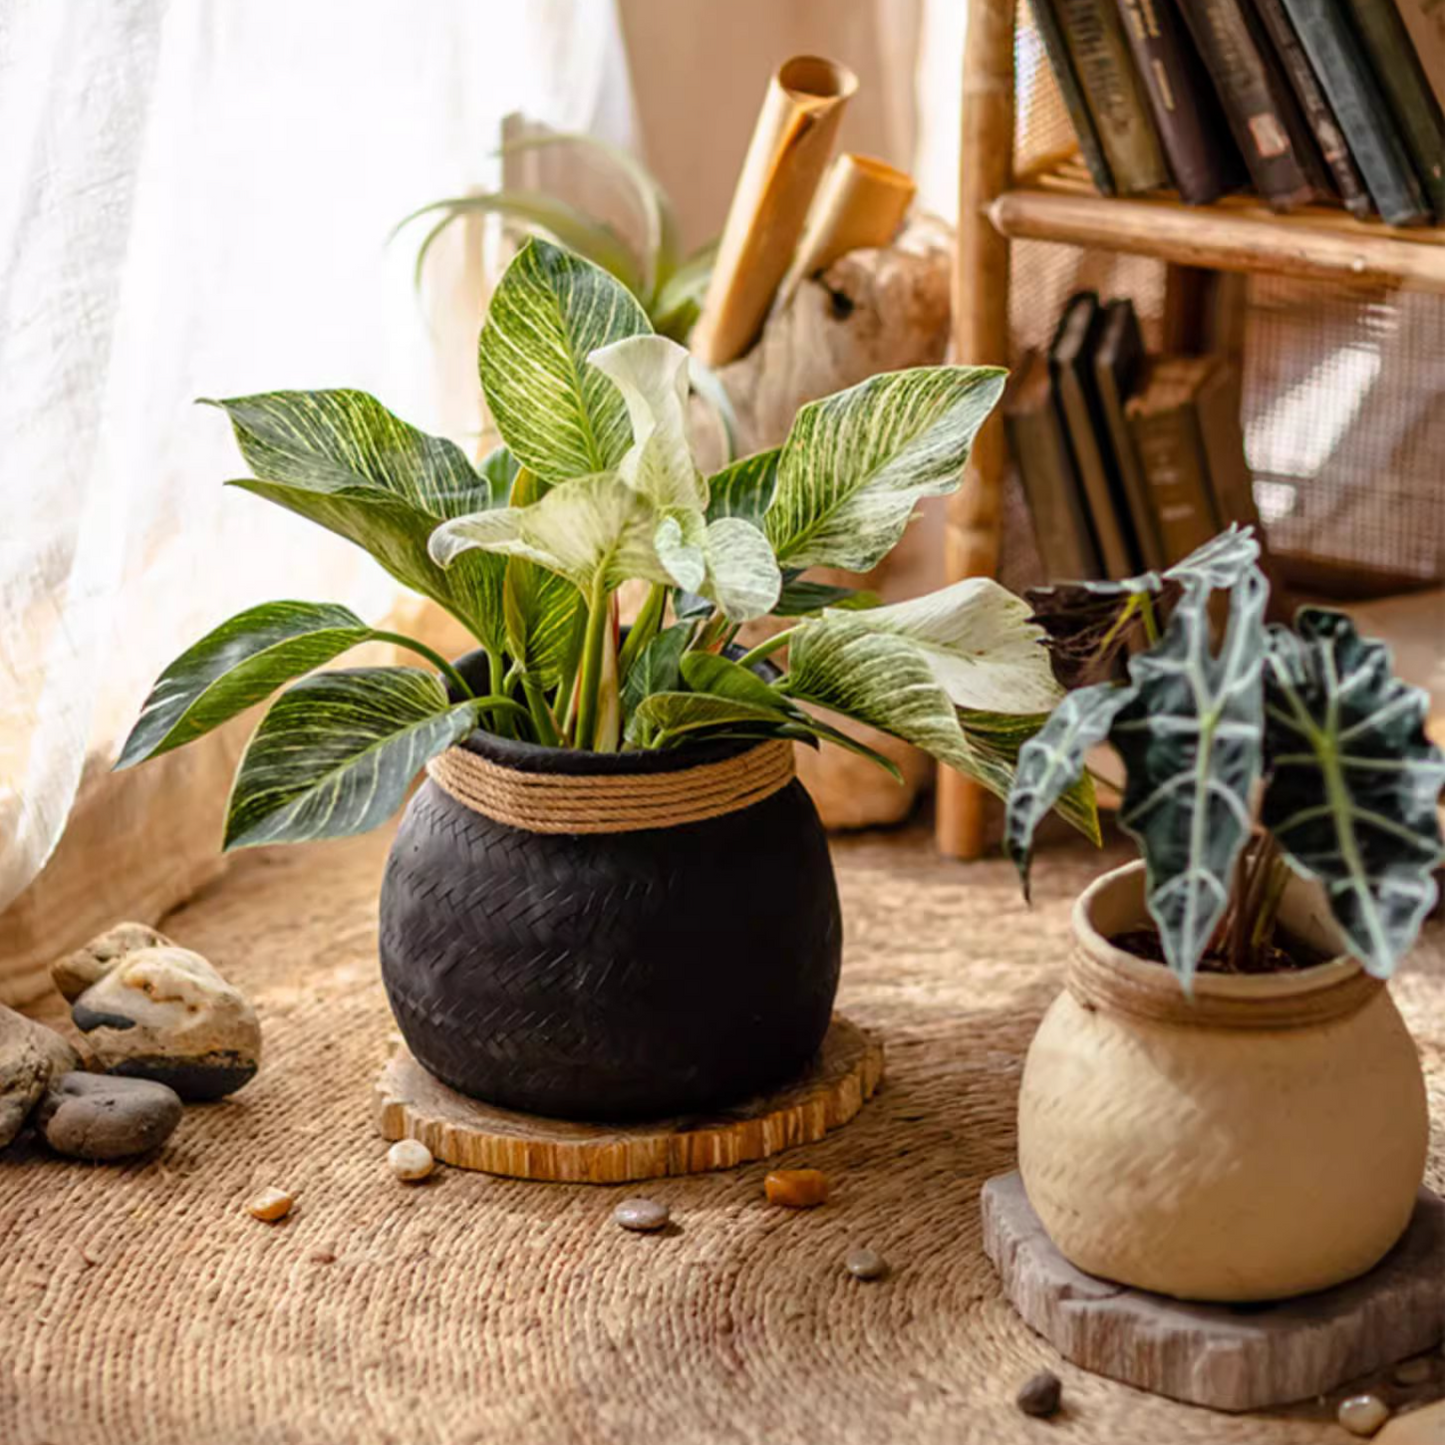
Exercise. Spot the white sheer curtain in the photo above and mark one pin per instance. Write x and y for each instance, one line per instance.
(194, 201)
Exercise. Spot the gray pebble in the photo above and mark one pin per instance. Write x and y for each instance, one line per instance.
(866, 1264)
(641, 1214)
(95, 1116)
(1041, 1395)
(1414, 1372)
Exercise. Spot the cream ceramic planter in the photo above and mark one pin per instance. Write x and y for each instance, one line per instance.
(1266, 1140)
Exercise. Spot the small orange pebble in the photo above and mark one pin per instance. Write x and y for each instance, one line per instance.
(796, 1188)
(271, 1205)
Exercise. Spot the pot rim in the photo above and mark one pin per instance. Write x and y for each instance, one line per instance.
(1159, 978)
(525, 757)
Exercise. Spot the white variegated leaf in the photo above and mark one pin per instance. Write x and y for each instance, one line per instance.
(681, 541)
(558, 413)
(650, 372)
(589, 530)
(742, 574)
(977, 637)
(856, 463)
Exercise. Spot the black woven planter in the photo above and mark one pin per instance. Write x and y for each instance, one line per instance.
(611, 976)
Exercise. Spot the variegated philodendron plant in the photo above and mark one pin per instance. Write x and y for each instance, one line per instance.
(1283, 748)
(596, 486)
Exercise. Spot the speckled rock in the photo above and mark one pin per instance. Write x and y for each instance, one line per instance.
(31, 1055)
(152, 1010)
(96, 1116)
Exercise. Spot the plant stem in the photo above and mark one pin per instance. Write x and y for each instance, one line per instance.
(644, 628)
(590, 677)
(1151, 622)
(497, 671)
(435, 658)
(493, 702)
(767, 647)
(542, 720)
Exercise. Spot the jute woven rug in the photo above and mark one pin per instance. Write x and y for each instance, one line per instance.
(142, 1306)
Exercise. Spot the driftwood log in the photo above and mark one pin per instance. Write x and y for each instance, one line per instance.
(870, 311)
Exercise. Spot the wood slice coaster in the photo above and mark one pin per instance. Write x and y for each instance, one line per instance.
(472, 1135)
(1228, 1357)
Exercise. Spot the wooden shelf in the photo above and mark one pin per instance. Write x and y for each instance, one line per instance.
(1238, 233)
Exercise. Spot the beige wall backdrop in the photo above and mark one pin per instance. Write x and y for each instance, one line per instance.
(700, 68)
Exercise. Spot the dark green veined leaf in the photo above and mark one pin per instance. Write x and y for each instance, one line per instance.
(341, 460)
(744, 489)
(666, 718)
(1192, 742)
(707, 672)
(337, 751)
(500, 470)
(1052, 761)
(689, 606)
(1354, 786)
(239, 663)
(856, 463)
(560, 416)
(658, 667)
(801, 598)
(564, 223)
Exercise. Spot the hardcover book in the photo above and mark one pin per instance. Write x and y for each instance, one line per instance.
(1090, 146)
(1192, 129)
(1164, 422)
(1360, 107)
(1071, 362)
(1094, 35)
(1416, 110)
(1036, 438)
(1314, 106)
(1261, 107)
(1119, 366)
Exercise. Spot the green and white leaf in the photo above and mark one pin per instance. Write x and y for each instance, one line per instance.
(590, 530)
(559, 414)
(855, 464)
(239, 663)
(650, 373)
(681, 543)
(1192, 743)
(977, 637)
(708, 672)
(500, 469)
(544, 613)
(745, 488)
(1354, 788)
(742, 574)
(667, 718)
(341, 460)
(337, 752)
(802, 598)
(1053, 761)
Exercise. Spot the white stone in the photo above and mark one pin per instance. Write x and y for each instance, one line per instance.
(163, 1012)
(410, 1159)
(1363, 1414)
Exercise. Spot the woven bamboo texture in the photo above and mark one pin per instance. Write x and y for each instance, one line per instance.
(142, 1306)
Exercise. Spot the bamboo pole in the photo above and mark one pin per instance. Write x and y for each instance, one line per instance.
(980, 333)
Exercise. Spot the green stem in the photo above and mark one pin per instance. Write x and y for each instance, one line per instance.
(767, 647)
(435, 658)
(497, 671)
(1151, 622)
(493, 702)
(590, 677)
(542, 719)
(643, 629)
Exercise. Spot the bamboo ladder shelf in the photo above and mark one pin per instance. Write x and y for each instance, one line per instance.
(1057, 202)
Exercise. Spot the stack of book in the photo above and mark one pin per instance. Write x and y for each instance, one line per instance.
(1128, 463)
(1311, 100)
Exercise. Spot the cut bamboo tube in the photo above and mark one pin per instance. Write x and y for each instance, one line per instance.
(980, 330)
(791, 144)
(861, 206)
(1228, 237)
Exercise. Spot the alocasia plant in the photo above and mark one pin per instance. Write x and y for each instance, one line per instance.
(596, 486)
(1281, 748)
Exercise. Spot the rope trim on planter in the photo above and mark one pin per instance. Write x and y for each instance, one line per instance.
(1097, 984)
(613, 802)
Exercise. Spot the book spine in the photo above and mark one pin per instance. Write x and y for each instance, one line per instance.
(1046, 22)
(1185, 111)
(1094, 35)
(1407, 91)
(1262, 112)
(1168, 447)
(1316, 108)
(1359, 106)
